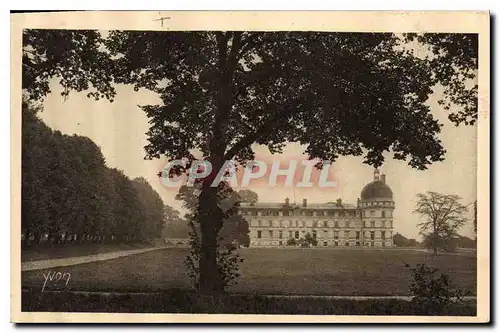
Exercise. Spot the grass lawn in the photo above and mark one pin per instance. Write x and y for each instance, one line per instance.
(70, 250)
(267, 271)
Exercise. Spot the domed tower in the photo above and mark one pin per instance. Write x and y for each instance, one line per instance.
(377, 205)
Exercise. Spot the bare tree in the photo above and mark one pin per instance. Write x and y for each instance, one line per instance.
(443, 214)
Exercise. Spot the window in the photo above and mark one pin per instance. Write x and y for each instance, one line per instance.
(297, 235)
(270, 223)
(314, 234)
(315, 224)
(342, 213)
(346, 243)
(383, 224)
(281, 234)
(336, 243)
(325, 224)
(336, 224)
(357, 234)
(372, 213)
(372, 224)
(383, 244)
(281, 243)
(303, 224)
(347, 224)
(309, 213)
(372, 234)
(383, 234)
(259, 234)
(336, 235)
(325, 243)
(290, 234)
(259, 222)
(270, 234)
(358, 244)
(383, 213)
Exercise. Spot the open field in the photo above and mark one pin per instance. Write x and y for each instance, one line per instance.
(267, 271)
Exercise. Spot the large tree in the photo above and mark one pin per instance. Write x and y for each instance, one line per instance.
(443, 216)
(224, 92)
(248, 196)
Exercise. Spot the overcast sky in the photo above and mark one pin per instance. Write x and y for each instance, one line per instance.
(119, 129)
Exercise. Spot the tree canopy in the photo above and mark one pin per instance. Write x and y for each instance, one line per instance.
(69, 194)
(443, 216)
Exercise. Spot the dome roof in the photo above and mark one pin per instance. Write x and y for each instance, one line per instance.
(376, 189)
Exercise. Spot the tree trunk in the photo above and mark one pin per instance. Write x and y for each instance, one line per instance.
(210, 219)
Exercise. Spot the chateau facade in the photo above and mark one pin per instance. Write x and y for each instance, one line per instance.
(369, 223)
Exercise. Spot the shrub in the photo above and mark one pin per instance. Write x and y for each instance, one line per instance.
(432, 294)
(228, 259)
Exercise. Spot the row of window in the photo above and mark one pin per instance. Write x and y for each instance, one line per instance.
(352, 213)
(316, 224)
(341, 213)
(325, 243)
(296, 234)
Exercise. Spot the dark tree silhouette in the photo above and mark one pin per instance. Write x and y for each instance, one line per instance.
(443, 216)
(70, 196)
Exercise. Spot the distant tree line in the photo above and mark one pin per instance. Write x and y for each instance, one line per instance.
(69, 195)
(401, 241)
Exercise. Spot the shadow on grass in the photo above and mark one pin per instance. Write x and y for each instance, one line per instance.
(181, 301)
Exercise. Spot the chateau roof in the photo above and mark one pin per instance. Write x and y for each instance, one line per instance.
(279, 205)
(376, 190)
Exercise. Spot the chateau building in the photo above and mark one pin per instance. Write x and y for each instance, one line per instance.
(369, 223)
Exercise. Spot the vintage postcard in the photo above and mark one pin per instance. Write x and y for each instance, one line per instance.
(250, 167)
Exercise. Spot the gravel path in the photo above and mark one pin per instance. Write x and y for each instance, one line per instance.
(50, 263)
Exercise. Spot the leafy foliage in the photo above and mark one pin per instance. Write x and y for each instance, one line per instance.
(75, 57)
(453, 60)
(234, 232)
(444, 216)
(308, 240)
(475, 217)
(70, 195)
(401, 241)
(248, 196)
(432, 295)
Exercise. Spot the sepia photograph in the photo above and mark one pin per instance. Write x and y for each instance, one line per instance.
(301, 165)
